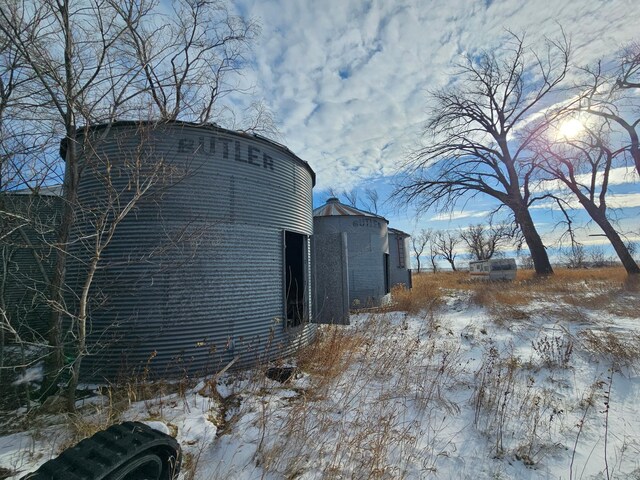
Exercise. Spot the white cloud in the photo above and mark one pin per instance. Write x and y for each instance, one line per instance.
(614, 200)
(348, 78)
(617, 176)
(459, 214)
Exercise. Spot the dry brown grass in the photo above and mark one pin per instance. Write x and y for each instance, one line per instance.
(373, 372)
(620, 349)
(607, 289)
(330, 354)
(426, 293)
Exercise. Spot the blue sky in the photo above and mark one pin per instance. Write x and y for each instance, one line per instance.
(347, 81)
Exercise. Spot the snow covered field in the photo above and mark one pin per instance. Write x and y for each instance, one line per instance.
(481, 382)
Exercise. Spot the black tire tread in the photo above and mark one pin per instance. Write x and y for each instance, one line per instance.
(96, 457)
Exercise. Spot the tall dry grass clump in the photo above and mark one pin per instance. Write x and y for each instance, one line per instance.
(426, 293)
(330, 354)
(620, 350)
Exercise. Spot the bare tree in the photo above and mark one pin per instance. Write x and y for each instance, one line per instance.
(483, 241)
(91, 62)
(475, 146)
(575, 256)
(351, 197)
(419, 242)
(186, 57)
(583, 164)
(597, 257)
(445, 243)
(613, 96)
(67, 49)
(333, 193)
(99, 218)
(433, 257)
(372, 197)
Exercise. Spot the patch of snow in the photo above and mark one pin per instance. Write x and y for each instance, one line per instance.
(30, 375)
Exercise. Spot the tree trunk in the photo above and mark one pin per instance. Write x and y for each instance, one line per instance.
(634, 148)
(537, 249)
(635, 153)
(55, 360)
(621, 249)
(81, 341)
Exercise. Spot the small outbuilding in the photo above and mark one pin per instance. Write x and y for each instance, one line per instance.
(399, 258)
(209, 262)
(351, 260)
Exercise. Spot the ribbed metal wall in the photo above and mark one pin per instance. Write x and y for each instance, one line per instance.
(399, 258)
(367, 244)
(27, 256)
(194, 274)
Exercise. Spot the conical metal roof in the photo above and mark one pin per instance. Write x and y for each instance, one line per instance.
(400, 233)
(334, 208)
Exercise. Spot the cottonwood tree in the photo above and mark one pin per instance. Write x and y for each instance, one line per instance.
(445, 244)
(613, 96)
(484, 241)
(583, 165)
(418, 242)
(94, 62)
(474, 145)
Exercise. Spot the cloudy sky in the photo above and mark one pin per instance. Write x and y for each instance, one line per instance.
(348, 80)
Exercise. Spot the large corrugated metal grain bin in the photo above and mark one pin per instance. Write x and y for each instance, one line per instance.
(399, 259)
(367, 251)
(209, 255)
(27, 255)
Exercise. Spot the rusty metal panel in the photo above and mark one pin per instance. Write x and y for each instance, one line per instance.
(331, 280)
(193, 275)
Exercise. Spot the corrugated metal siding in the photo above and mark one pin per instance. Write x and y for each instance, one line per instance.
(331, 266)
(212, 290)
(367, 242)
(25, 242)
(399, 274)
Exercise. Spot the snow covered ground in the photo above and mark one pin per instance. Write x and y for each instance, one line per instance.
(472, 388)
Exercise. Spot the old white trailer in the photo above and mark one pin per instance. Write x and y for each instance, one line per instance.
(493, 269)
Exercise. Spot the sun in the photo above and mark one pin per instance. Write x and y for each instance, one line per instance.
(570, 128)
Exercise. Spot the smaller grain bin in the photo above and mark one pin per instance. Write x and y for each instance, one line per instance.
(351, 255)
(399, 259)
(27, 257)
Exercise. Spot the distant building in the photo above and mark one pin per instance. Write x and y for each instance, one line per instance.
(493, 269)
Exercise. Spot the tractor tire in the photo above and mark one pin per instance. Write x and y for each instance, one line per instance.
(129, 451)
